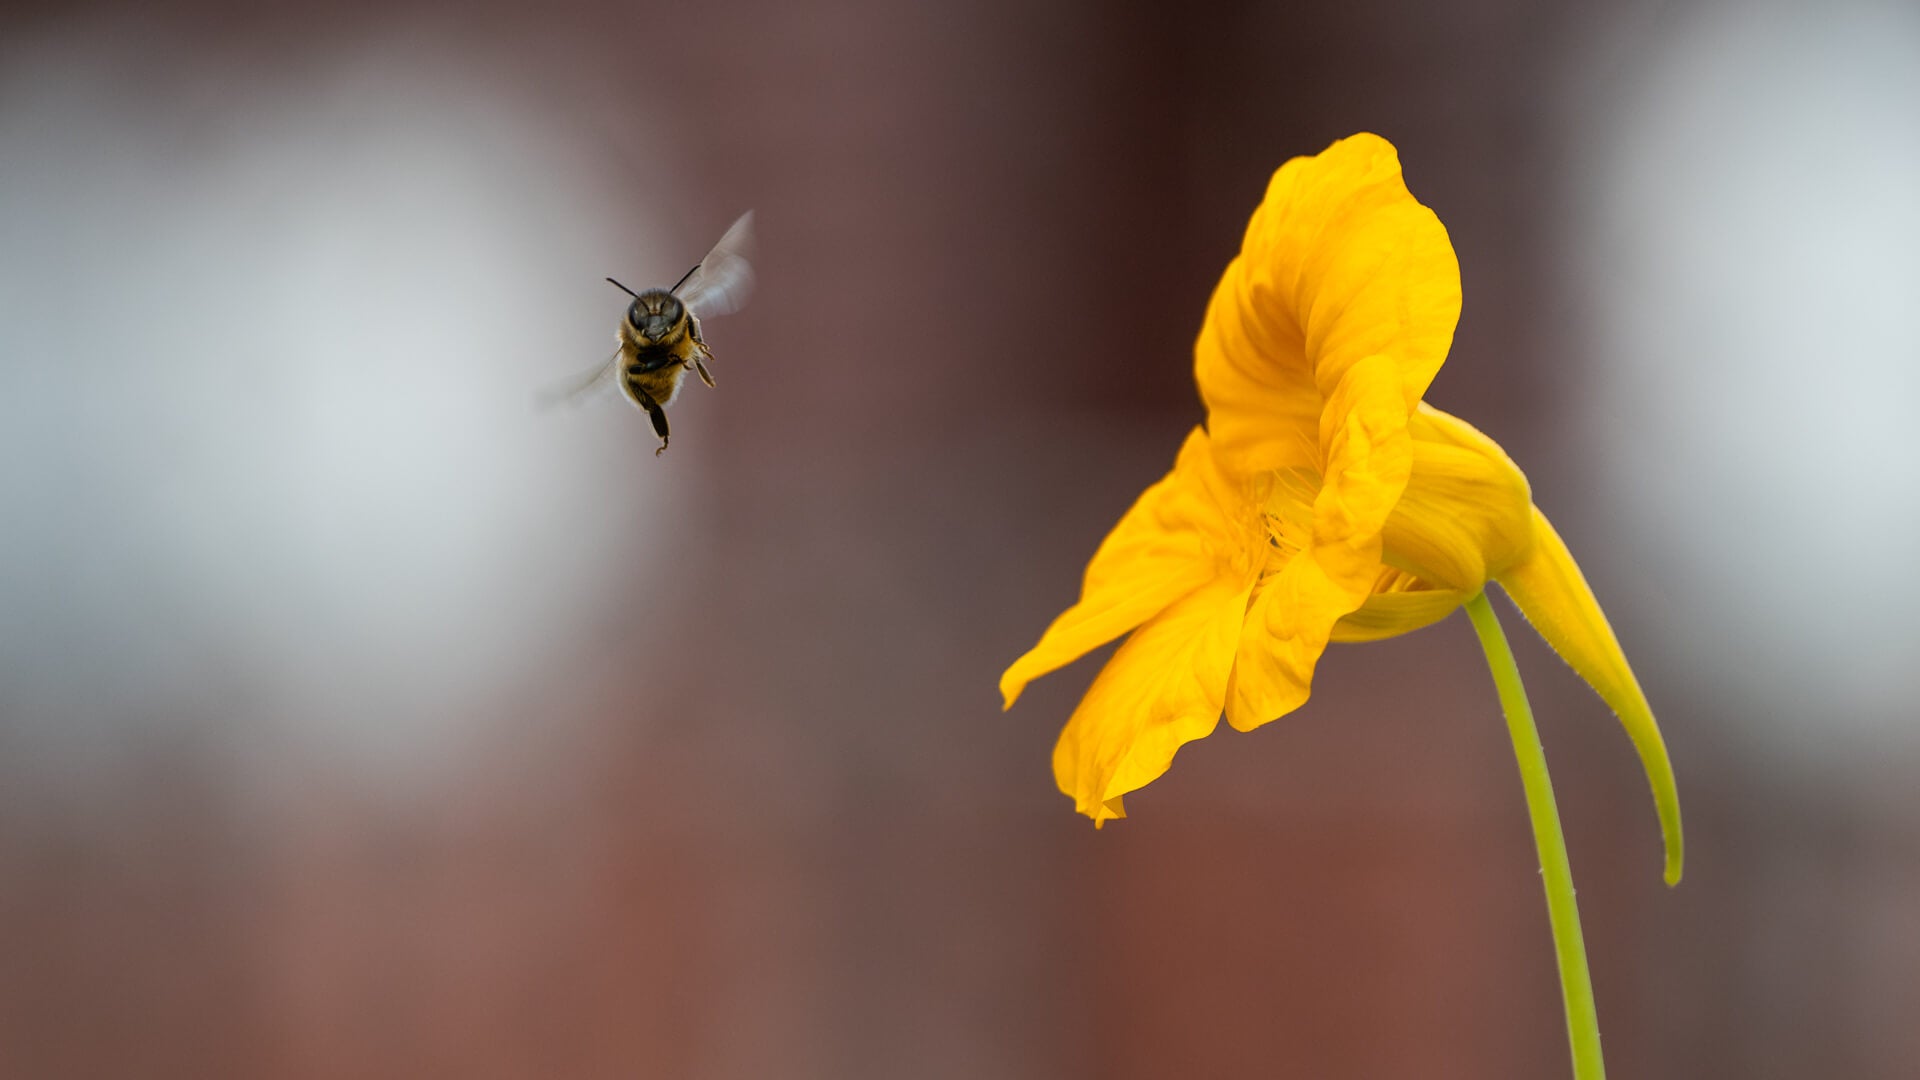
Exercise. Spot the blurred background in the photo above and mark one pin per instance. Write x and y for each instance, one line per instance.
(357, 719)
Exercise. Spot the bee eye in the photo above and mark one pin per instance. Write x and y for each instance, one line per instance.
(634, 314)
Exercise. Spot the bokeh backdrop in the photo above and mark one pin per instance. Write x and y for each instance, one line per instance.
(357, 719)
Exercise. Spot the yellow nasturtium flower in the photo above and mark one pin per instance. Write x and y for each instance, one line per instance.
(1324, 500)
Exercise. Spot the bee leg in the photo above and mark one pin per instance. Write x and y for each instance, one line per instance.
(659, 417)
(701, 355)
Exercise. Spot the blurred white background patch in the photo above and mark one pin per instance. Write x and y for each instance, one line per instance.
(268, 453)
(1750, 256)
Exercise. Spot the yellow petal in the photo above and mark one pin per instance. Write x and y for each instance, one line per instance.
(1466, 508)
(1550, 591)
(1390, 614)
(1369, 454)
(1174, 539)
(1163, 687)
(1339, 263)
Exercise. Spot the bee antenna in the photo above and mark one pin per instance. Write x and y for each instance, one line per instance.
(626, 290)
(683, 278)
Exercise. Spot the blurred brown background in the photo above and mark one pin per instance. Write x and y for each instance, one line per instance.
(358, 720)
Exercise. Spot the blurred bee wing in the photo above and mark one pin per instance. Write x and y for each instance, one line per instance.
(583, 387)
(723, 280)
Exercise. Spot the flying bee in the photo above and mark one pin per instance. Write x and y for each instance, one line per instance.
(660, 336)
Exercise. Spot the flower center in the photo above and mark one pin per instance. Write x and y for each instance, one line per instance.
(1288, 514)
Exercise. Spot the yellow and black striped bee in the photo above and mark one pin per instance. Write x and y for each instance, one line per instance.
(660, 337)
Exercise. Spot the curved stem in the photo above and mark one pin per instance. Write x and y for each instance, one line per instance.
(1556, 873)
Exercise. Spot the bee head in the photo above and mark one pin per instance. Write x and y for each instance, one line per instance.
(656, 314)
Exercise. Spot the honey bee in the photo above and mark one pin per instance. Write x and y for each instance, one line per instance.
(660, 336)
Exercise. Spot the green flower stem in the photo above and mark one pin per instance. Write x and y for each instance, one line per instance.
(1576, 986)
